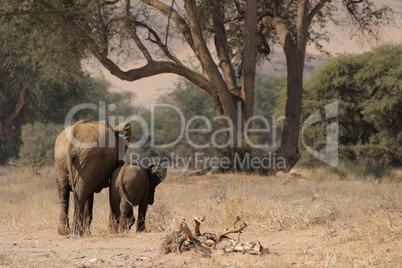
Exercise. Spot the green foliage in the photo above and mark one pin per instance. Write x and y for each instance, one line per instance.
(46, 99)
(38, 143)
(270, 104)
(369, 90)
(361, 170)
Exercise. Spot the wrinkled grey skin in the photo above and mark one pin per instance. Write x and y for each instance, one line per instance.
(86, 171)
(131, 186)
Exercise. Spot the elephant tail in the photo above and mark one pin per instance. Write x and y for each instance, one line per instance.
(123, 190)
(70, 174)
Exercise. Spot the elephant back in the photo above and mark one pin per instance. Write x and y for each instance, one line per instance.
(87, 152)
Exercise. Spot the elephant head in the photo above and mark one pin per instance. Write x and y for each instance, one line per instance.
(156, 174)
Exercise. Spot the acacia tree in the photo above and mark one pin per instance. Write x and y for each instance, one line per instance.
(243, 33)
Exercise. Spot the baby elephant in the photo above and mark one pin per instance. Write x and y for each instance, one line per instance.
(131, 186)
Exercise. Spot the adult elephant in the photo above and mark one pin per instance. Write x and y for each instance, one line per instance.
(131, 186)
(86, 154)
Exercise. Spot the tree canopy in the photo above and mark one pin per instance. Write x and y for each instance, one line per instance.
(28, 95)
(368, 87)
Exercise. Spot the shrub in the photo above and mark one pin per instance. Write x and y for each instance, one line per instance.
(38, 141)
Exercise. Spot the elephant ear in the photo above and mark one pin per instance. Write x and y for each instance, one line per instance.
(156, 174)
(123, 132)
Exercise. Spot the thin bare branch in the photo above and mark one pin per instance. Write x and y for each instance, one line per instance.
(157, 40)
(168, 23)
(177, 18)
(105, 43)
(132, 32)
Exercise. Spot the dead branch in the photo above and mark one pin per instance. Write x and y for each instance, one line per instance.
(184, 228)
(197, 225)
(230, 231)
(237, 219)
(185, 240)
(197, 243)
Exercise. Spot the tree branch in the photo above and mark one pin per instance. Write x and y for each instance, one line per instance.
(133, 34)
(281, 29)
(205, 58)
(221, 44)
(150, 69)
(179, 20)
(316, 9)
(302, 27)
(264, 48)
(168, 22)
(21, 101)
(158, 42)
(102, 24)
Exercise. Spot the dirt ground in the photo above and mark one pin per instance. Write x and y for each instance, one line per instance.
(45, 248)
(303, 220)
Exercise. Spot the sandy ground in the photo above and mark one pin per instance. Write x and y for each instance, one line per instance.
(42, 248)
(306, 248)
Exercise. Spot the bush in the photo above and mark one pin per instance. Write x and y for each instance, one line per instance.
(38, 141)
(368, 90)
(361, 169)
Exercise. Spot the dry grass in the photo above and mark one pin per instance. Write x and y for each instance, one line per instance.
(359, 219)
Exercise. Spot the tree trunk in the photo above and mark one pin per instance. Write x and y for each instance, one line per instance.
(294, 49)
(289, 150)
(249, 56)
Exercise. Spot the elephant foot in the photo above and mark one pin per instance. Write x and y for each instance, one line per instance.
(77, 230)
(141, 228)
(63, 229)
(87, 232)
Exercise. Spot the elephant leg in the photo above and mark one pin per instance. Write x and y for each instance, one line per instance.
(114, 215)
(142, 211)
(64, 198)
(113, 220)
(78, 221)
(131, 218)
(88, 214)
(124, 219)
